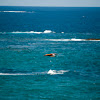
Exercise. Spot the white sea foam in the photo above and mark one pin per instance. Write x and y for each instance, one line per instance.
(73, 39)
(17, 11)
(15, 74)
(51, 72)
(33, 73)
(65, 39)
(46, 31)
(27, 32)
(54, 72)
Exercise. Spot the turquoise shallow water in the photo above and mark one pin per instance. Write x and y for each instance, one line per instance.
(26, 74)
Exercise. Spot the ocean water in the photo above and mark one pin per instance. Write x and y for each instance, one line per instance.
(28, 33)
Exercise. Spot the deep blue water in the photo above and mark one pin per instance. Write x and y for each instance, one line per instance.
(26, 74)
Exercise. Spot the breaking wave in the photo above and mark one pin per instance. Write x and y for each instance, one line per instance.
(46, 31)
(50, 72)
(17, 11)
(34, 73)
(15, 74)
(54, 72)
(73, 39)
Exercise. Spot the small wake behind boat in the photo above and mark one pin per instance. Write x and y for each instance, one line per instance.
(51, 55)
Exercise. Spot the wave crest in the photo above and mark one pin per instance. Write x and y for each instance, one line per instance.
(46, 31)
(17, 11)
(54, 72)
(73, 39)
(50, 72)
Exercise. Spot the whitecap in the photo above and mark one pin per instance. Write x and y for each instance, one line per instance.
(14, 74)
(26, 32)
(17, 11)
(13, 11)
(65, 39)
(46, 31)
(51, 72)
(54, 72)
(73, 39)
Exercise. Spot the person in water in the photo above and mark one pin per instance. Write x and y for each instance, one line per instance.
(51, 55)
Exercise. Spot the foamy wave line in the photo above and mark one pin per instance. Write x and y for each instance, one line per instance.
(55, 72)
(27, 32)
(46, 31)
(73, 39)
(50, 72)
(37, 73)
(15, 74)
(17, 11)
